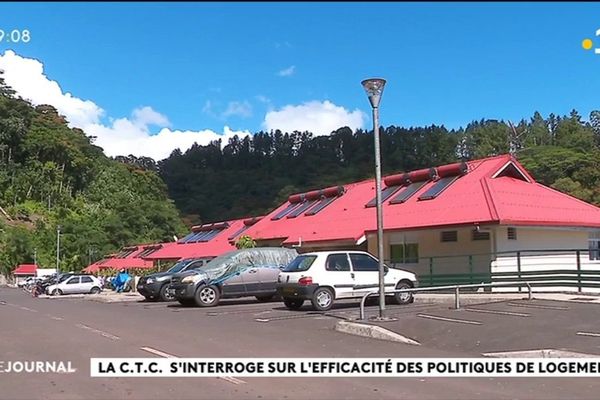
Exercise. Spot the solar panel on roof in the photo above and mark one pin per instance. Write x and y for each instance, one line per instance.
(285, 211)
(385, 194)
(305, 206)
(211, 234)
(239, 231)
(438, 188)
(408, 192)
(197, 236)
(186, 238)
(320, 205)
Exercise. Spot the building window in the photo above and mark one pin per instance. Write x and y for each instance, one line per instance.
(594, 242)
(480, 235)
(511, 233)
(449, 236)
(405, 253)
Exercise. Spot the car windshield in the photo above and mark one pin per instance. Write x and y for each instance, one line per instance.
(179, 266)
(300, 263)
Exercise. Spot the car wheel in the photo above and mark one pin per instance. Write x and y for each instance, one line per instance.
(293, 304)
(187, 302)
(207, 296)
(405, 297)
(95, 290)
(264, 299)
(166, 294)
(57, 292)
(323, 299)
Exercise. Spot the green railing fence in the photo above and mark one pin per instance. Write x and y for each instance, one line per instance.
(574, 268)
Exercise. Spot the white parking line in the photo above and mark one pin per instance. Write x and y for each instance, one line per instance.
(159, 353)
(538, 306)
(588, 334)
(516, 314)
(102, 333)
(231, 379)
(460, 321)
(55, 318)
(27, 309)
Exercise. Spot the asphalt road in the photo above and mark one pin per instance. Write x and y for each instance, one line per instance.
(75, 330)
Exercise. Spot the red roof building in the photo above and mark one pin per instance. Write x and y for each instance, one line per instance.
(205, 241)
(495, 190)
(128, 258)
(25, 269)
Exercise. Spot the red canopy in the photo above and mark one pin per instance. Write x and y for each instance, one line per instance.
(25, 269)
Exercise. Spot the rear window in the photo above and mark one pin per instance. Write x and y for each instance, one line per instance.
(300, 263)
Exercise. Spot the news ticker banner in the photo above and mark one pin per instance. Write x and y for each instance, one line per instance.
(345, 367)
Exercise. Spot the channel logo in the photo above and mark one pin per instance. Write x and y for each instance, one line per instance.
(587, 43)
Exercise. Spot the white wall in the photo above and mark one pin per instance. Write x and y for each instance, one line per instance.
(448, 257)
(552, 239)
(453, 257)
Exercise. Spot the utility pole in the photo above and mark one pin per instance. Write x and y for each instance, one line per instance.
(57, 250)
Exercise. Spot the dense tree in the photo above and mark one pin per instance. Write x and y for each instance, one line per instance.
(251, 175)
(53, 175)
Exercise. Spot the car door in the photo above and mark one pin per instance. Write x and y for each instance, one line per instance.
(339, 275)
(267, 279)
(366, 273)
(71, 285)
(86, 284)
(235, 285)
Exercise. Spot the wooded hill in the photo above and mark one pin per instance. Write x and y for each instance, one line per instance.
(52, 175)
(252, 175)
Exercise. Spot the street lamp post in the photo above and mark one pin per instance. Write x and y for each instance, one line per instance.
(374, 88)
(57, 251)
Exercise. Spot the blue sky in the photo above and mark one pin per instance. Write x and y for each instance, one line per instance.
(203, 66)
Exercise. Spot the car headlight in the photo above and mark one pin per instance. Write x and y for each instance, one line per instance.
(191, 279)
(150, 280)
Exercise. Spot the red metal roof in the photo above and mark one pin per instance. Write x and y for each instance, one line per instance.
(25, 269)
(218, 245)
(494, 190)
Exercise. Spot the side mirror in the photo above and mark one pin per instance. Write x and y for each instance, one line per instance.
(386, 269)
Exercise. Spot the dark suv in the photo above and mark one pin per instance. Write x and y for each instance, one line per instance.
(156, 286)
(247, 272)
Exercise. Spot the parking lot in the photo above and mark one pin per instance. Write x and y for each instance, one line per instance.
(76, 329)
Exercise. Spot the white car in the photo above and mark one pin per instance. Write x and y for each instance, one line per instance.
(325, 276)
(76, 284)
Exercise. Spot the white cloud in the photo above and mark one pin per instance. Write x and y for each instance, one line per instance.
(237, 108)
(26, 77)
(289, 71)
(320, 118)
(122, 136)
(131, 136)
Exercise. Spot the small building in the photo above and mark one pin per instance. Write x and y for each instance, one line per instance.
(24, 271)
(478, 221)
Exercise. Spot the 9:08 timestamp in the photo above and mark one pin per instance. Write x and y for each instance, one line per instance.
(15, 36)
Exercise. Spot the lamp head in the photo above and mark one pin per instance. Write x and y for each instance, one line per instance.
(374, 88)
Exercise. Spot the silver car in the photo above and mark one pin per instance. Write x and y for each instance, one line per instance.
(76, 284)
(240, 273)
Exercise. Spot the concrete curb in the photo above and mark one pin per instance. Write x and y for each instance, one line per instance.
(372, 331)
